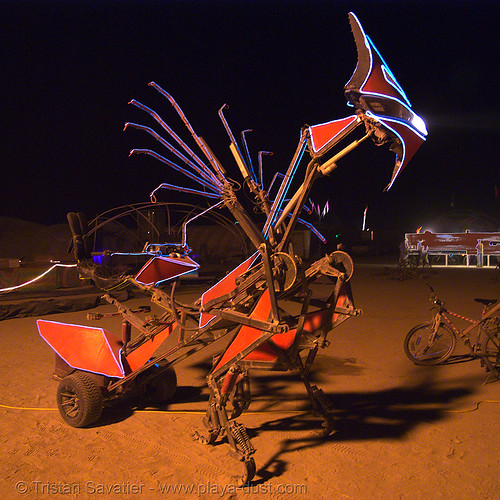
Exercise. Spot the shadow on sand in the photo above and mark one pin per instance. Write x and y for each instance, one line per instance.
(388, 414)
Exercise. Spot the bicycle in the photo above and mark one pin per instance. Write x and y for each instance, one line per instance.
(433, 342)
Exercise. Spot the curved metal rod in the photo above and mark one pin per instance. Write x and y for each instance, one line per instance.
(246, 173)
(207, 176)
(226, 125)
(136, 208)
(179, 141)
(177, 167)
(311, 228)
(247, 152)
(164, 185)
(184, 234)
(206, 151)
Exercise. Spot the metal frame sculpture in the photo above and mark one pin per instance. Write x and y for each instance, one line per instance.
(266, 305)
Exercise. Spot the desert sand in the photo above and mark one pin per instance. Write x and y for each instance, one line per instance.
(402, 431)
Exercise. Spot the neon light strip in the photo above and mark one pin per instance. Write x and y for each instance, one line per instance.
(184, 234)
(184, 190)
(387, 72)
(37, 278)
(176, 167)
(285, 185)
(401, 161)
(179, 141)
(312, 229)
(207, 175)
(176, 276)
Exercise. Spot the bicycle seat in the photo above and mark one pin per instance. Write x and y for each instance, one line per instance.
(486, 302)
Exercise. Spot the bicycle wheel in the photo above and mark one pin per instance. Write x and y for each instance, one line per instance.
(489, 342)
(423, 348)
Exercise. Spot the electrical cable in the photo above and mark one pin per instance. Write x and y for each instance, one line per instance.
(200, 412)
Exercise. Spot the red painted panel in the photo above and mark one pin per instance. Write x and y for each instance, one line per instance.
(84, 348)
(164, 268)
(247, 334)
(142, 354)
(223, 287)
(380, 81)
(324, 133)
(411, 140)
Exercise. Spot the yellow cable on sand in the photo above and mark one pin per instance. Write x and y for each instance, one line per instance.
(476, 406)
(26, 408)
(199, 412)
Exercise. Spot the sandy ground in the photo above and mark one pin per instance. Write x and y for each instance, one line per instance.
(403, 431)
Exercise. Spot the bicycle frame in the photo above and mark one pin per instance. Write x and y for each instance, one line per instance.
(433, 342)
(463, 334)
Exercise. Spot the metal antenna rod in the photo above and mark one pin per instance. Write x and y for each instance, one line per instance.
(261, 177)
(285, 184)
(179, 141)
(240, 161)
(210, 178)
(210, 157)
(246, 151)
(164, 185)
(178, 168)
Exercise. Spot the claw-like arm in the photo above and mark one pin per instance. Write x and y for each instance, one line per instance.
(375, 93)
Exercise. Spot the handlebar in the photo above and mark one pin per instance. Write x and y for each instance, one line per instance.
(434, 298)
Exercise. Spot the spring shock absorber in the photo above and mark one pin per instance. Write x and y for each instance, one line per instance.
(324, 402)
(240, 435)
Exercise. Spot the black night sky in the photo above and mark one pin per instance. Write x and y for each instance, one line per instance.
(69, 69)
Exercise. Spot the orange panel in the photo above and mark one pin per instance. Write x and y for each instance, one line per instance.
(248, 334)
(324, 133)
(265, 352)
(164, 268)
(142, 354)
(84, 348)
(223, 287)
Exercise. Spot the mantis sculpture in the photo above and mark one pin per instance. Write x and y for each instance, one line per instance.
(266, 306)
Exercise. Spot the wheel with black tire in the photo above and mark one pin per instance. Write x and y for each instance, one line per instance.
(490, 349)
(424, 348)
(160, 389)
(79, 400)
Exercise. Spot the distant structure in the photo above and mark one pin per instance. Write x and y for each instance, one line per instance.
(466, 248)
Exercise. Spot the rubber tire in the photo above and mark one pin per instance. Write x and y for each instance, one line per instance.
(79, 400)
(240, 480)
(161, 389)
(445, 333)
(490, 351)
